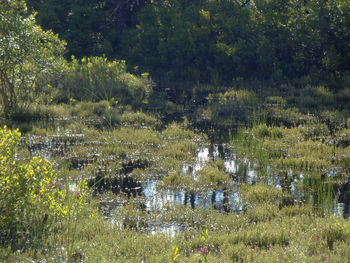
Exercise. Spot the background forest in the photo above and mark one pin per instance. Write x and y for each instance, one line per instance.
(210, 41)
(182, 44)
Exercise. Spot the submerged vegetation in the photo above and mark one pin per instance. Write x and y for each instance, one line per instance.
(244, 158)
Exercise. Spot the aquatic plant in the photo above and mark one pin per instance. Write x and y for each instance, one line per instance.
(133, 136)
(238, 97)
(124, 225)
(178, 180)
(212, 178)
(138, 119)
(260, 194)
(175, 132)
(311, 147)
(261, 213)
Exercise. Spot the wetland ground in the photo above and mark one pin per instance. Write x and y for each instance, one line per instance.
(219, 184)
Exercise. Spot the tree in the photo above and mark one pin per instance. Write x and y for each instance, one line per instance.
(199, 41)
(26, 51)
(90, 27)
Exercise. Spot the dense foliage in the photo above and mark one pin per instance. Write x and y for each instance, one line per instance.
(217, 41)
(26, 53)
(90, 27)
(220, 41)
(31, 198)
(96, 79)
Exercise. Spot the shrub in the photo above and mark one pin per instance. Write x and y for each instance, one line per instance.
(30, 198)
(96, 79)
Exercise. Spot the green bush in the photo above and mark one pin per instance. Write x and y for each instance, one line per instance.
(96, 79)
(30, 198)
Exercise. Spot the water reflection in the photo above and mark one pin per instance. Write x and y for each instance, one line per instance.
(157, 199)
(320, 191)
(317, 191)
(344, 200)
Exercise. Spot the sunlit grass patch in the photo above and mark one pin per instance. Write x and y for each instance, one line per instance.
(133, 136)
(239, 97)
(260, 194)
(174, 155)
(288, 116)
(295, 210)
(174, 132)
(213, 178)
(178, 180)
(336, 229)
(310, 147)
(264, 236)
(138, 119)
(180, 150)
(262, 213)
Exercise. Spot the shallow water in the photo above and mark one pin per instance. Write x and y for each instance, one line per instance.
(335, 198)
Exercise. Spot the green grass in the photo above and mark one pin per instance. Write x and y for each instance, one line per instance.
(265, 233)
(270, 227)
(310, 147)
(138, 119)
(297, 238)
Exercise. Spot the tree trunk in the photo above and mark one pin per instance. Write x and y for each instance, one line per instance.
(5, 102)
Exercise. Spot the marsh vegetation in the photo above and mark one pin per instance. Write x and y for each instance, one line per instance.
(245, 159)
(268, 188)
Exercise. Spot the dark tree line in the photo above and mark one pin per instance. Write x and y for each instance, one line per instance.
(90, 27)
(211, 41)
